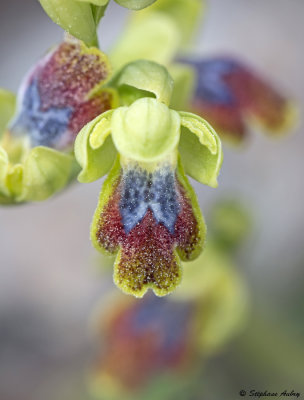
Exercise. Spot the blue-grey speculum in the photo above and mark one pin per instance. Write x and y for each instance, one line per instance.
(44, 127)
(143, 190)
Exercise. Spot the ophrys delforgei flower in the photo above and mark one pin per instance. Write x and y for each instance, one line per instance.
(57, 98)
(232, 96)
(148, 213)
(160, 342)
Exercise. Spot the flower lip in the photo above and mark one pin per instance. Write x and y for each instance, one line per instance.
(146, 130)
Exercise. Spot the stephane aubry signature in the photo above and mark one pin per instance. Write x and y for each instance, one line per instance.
(266, 393)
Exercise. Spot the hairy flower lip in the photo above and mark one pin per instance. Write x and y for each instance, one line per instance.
(147, 213)
(232, 97)
(60, 94)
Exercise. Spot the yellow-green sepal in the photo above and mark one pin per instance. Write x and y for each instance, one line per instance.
(146, 131)
(200, 149)
(7, 108)
(94, 149)
(141, 78)
(45, 172)
(75, 17)
(135, 4)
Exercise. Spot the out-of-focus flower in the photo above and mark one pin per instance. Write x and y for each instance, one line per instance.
(56, 99)
(223, 90)
(141, 341)
(231, 96)
(161, 342)
(147, 212)
(80, 18)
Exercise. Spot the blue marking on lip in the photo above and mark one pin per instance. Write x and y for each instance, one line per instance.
(45, 128)
(156, 191)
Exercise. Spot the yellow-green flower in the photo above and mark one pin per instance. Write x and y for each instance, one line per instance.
(148, 213)
(57, 98)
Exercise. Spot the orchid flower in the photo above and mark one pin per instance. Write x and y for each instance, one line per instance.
(231, 96)
(138, 342)
(147, 213)
(143, 341)
(62, 92)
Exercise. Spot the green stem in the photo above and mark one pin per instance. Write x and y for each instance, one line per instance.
(98, 12)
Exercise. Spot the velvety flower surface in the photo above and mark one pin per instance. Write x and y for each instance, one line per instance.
(57, 98)
(151, 218)
(160, 342)
(231, 96)
(148, 213)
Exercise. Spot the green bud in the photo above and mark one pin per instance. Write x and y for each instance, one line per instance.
(231, 223)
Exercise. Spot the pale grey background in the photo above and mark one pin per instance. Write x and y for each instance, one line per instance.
(49, 279)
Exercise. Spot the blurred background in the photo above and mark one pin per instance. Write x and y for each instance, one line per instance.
(50, 276)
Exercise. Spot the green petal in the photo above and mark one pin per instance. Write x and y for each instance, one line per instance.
(145, 131)
(200, 149)
(146, 76)
(94, 149)
(75, 17)
(45, 172)
(184, 85)
(135, 4)
(155, 37)
(7, 108)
